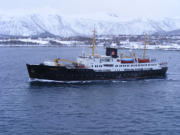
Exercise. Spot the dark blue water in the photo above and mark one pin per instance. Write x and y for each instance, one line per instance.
(142, 107)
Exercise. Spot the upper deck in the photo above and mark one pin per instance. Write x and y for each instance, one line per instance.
(108, 63)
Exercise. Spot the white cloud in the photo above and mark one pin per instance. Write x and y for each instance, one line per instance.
(124, 8)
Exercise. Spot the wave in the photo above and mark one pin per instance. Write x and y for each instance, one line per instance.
(94, 81)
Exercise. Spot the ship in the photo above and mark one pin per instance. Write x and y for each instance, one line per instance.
(99, 67)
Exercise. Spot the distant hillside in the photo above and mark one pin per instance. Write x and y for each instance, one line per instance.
(170, 33)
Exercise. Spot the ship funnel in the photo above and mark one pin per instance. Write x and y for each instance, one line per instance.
(111, 52)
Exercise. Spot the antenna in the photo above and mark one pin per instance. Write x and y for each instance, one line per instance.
(145, 43)
(93, 47)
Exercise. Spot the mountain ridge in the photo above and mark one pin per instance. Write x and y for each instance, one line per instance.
(65, 26)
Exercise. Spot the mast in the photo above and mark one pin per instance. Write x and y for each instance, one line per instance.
(145, 42)
(93, 47)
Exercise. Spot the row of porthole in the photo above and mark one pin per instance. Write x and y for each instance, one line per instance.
(97, 65)
(117, 70)
(128, 65)
(115, 66)
(143, 65)
(122, 65)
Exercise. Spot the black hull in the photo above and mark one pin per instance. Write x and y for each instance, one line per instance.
(65, 74)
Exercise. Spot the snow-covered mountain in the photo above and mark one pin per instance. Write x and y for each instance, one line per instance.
(61, 25)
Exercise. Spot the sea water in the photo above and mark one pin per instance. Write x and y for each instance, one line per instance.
(149, 107)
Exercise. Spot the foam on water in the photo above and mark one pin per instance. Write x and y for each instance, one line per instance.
(96, 81)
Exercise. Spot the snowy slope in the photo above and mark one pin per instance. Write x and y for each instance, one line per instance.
(29, 25)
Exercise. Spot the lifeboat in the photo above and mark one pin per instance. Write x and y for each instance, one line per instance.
(127, 60)
(143, 60)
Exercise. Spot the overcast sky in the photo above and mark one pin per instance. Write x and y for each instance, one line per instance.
(124, 8)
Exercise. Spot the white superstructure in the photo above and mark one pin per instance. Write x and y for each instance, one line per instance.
(108, 63)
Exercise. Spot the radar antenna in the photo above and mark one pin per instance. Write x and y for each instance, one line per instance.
(93, 46)
(145, 43)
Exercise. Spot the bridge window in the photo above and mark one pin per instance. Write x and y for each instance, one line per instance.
(108, 65)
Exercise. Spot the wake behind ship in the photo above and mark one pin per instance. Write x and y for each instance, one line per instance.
(99, 67)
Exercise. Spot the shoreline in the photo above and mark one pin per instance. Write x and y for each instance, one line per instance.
(136, 47)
